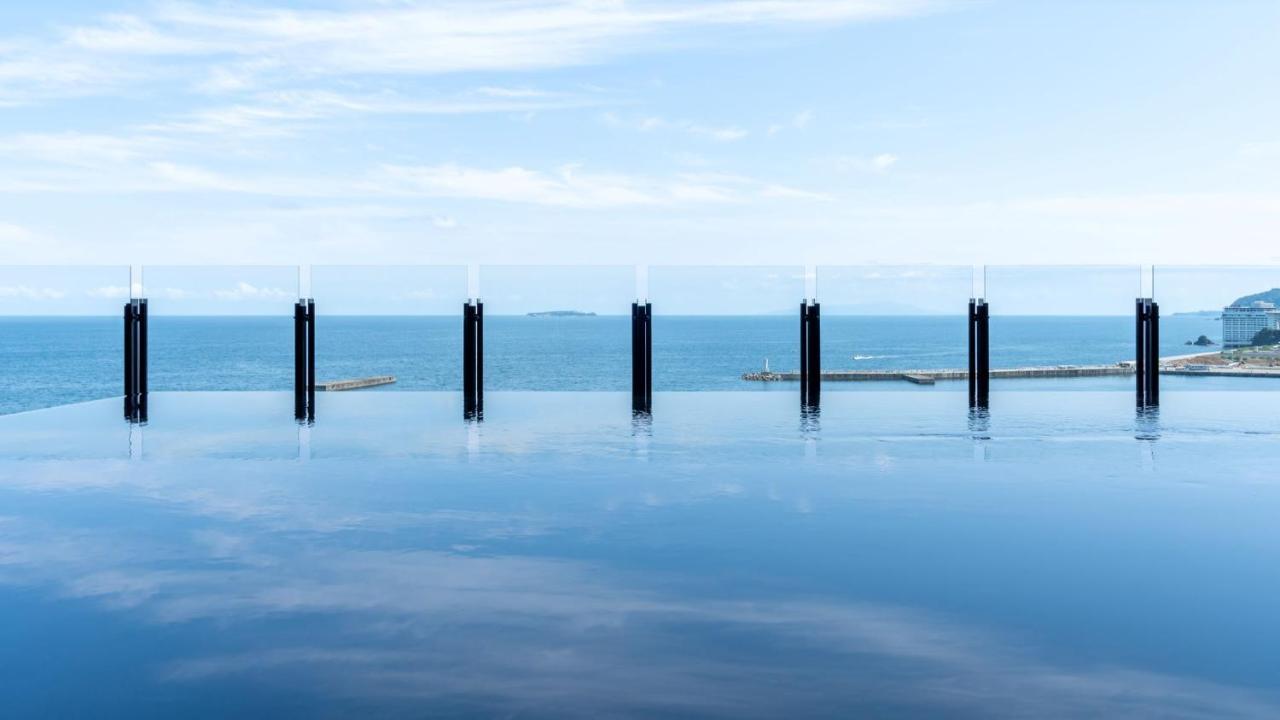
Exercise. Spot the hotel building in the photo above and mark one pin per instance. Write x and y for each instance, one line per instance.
(1241, 322)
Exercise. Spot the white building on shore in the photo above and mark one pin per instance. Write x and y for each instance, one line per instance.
(1241, 322)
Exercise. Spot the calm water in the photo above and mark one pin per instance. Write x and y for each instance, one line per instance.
(54, 361)
(1060, 557)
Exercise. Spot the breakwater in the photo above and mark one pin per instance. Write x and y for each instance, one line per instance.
(356, 383)
(930, 376)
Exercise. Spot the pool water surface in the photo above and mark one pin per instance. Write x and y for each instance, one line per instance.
(892, 555)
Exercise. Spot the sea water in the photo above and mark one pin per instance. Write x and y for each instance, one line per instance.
(52, 361)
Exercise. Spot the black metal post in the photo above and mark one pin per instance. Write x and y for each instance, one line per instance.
(1140, 350)
(299, 361)
(635, 356)
(1153, 353)
(479, 358)
(804, 352)
(641, 357)
(972, 375)
(648, 357)
(311, 359)
(468, 359)
(135, 360)
(980, 353)
(1147, 352)
(130, 367)
(815, 354)
(810, 353)
(304, 360)
(473, 359)
(142, 383)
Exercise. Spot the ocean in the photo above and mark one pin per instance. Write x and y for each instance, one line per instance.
(51, 361)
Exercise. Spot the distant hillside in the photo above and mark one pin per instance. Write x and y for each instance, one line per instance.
(1271, 296)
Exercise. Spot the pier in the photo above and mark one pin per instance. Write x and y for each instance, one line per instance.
(929, 377)
(356, 383)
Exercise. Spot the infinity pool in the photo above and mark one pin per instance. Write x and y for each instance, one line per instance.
(891, 556)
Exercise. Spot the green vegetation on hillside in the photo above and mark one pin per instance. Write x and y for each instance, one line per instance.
(1271, 296)
(1270, 336)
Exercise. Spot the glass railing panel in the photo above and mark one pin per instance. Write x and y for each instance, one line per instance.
(61, 335)
(220, 328)
(402, 321)
(1051, 317)
(1219, 327)
(879, 322)
(557, 327)
(712, 325)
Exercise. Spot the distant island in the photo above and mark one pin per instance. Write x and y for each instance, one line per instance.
(562, 313)
(1202, 341)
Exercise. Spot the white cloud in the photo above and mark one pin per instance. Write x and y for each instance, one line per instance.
(282, 112)
(233, 47)
(29, 292)
(73, 148)
(447, 36)
(876, 163)
(569, 186)
(783, 191)
(11, 235)
(722, 133)
(246, 291)
(883, 161)
(31, 72)
(516, 184)
(799, 121)
(111, 292)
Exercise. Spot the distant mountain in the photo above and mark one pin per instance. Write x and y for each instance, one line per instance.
(1271, 296)
(878, 308)
(562, 313)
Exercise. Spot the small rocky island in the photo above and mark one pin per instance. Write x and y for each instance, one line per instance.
(1202, 341)
(562, 313)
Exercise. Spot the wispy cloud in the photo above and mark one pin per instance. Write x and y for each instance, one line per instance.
(83, 149)
(29, 292)
(569, 186)
(146, 164)
(283, 112)
(247, 291)
(878, 163)
(799, 121)
(233, 48)
(721, 133)
(447, 36)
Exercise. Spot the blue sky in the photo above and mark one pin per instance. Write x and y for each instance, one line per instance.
(727, 131)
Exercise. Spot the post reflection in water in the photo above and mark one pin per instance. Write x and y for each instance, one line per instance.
(980, 423)
(1146, 423)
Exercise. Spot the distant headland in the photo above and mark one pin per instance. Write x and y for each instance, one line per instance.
(1271, 296)
(562, 313)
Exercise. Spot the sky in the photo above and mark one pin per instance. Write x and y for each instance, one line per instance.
(601, 132)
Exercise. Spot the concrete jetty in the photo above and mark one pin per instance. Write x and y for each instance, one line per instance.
(928, 377)
(356, 383)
